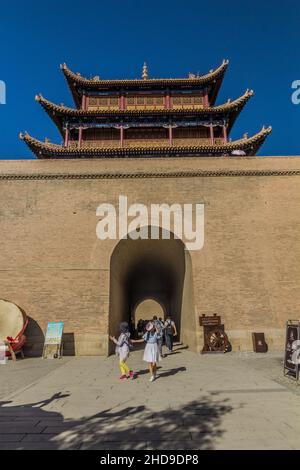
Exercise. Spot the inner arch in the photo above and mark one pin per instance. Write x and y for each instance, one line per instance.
(146, 309)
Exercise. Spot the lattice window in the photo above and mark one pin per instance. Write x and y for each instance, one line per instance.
(159, 100)
(140, 100)
(114, 101)
(198, 99)
(93, 101)
(186, 100)
(130, 100)
(102, 102)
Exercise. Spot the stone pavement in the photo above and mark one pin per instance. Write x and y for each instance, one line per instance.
(230, 401)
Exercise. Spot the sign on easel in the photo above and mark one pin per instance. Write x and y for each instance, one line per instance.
(292, 349)
(53, 346)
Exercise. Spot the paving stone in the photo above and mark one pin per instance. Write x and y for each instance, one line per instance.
(11, 437)
(174, 445)
(19, 422)
(14, 428)
(21, 374)
(27, 419)
(33, 446)
(57, 423)
(38, 437)
(146, 436)
(60, 429)
(114, 446)
(5, 419)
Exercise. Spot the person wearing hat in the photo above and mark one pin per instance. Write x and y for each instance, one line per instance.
(151, 353)
(123, 344)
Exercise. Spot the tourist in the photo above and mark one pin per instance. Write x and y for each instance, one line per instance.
(163, 323)
(151, 353)
(160, 329)
(123, 344)
(140, 328)
(170, 331)
(145, 323)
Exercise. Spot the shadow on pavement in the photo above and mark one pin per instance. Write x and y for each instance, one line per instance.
(172, 353)
(174, 371)
(196, 426)
(145, 371)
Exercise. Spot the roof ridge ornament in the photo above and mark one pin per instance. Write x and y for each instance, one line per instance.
(145, 74)
(23, 135)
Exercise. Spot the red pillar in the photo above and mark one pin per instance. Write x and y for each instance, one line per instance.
(205, 98)
(83, 103)
(67, 137)
(122, 102)
(224, 133)
(167, 101)
(211, 133)
(121, 136)
(80, 137)
(170, 136)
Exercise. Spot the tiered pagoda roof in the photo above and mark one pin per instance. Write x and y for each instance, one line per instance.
(77, 82)
(197, 127)
(58, 113)
(49, 150)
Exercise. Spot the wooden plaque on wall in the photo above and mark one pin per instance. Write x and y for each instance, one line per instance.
(259, 343)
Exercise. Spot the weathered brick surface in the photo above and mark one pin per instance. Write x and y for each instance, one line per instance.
(53, 266)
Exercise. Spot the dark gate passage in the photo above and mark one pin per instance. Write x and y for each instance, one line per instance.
(149, 269)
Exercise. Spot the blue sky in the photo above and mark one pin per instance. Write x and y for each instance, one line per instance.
(113, 39)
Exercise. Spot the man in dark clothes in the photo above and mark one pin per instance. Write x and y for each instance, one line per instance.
(170, 332)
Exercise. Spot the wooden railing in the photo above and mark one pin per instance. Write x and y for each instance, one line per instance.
(129, 143)
(130, 107)
(146, 102)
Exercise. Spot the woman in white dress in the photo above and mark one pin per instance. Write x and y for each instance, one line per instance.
(151, 353)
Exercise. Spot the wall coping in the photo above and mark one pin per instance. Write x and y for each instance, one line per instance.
(130, 168)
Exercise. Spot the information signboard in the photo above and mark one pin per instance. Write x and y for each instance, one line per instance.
(292, 349)
(210, 320)
(53, 340)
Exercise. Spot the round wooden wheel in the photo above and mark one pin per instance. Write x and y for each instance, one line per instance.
(217, 340)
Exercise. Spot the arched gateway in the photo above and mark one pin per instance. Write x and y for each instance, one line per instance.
(157, 269)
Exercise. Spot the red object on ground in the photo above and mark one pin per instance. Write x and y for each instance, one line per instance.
(18, 342)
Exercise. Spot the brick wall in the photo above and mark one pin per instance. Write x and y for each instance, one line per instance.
(54, 267)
